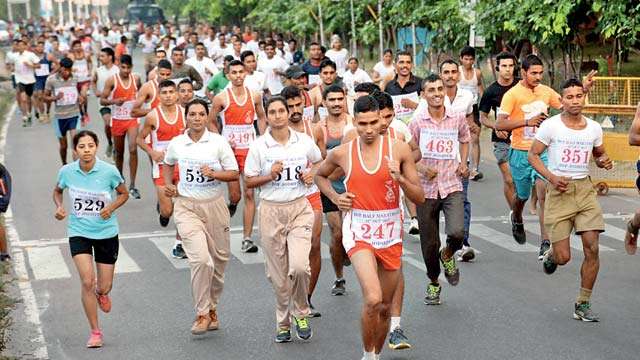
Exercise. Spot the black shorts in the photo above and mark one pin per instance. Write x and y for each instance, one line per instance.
(476, 114)
(327, 204)
(105, 110)
(26, 88)
(104, 251)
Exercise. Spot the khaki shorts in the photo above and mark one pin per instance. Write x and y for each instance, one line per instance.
(575, 209)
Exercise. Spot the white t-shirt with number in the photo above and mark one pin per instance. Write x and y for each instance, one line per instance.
(569, 150)
(295, 155)
(213, 150)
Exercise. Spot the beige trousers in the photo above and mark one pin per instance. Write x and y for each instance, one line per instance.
(285, 235)
(204, 228)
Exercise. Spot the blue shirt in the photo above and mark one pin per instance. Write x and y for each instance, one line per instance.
(89, 194)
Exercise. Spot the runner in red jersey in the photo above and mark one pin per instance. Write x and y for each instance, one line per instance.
(120, 92)
(148, 96)
(239, 109)
(295, 102)
(376, 168)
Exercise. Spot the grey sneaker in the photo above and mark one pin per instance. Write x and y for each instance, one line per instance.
(248, 246)
(283, 336)
(544, 246)
(548, 265)
(303, 329)
(466, 254)
(134, 193)
(451, 271)
(338, 288)
(432, 294)
(582, 311)
(397, 340)
(178, 252)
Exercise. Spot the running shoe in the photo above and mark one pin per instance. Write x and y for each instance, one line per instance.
(432, 294)
(303, 329)
(338, 288)
(134, 193)
(164, 221)
(476, 175)
(248, 246)
(5, 257)
(178, 252)
(214, 324)
(397, 340)
(466, 254)
(283, 336)
(313, 312)
(109, 152)
(582, 311)
(95, 339)
(451, 271)
(631, 239)
(548, 265)
(25, 123)
(104, 302)
(200, 325)
(29, 122)
(414, 228)
(518, 230)
(232, 209)
(544, 246)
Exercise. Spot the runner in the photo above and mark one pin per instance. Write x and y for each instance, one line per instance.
(374, 246)
(42, 72)
(105, 71)
(185, 92)
(506, 65)
(160, 55)
(338, 54)
(203, 65)
(631, 236)
(205, 160)
(62, 89)
(254, 79)
(120, 92)
(523, 108)
(354, 76)
(148, 42)
(443, 139)
(181, 71)
(239, 108)
(328, 77)
(25, 62)
(405, 89)
(273, 67)
(471, 80)
(82, 65)
(92, 227)
(219, 81)
(295, 106)
(571, 204)
(384, 70)
(312, 66)
(328, 134)
(148, 98)
(278, 164)
(295, 76)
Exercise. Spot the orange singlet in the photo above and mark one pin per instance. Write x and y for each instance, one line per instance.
(155, 100)
(313, 193)
(162, 135)
(374, 222)
(237, 124)
(121, 119)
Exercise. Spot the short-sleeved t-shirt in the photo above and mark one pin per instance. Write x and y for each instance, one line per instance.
(68, 106)
(23, 73)
(521, 103)
(218, 83)
(491, 99)
(90, 193)
(269, 68)
(569, 150)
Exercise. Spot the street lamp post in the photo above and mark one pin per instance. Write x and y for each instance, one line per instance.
(380, 33)
(321, 23)
(354, 45)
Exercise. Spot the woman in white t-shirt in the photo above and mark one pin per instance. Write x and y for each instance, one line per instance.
(384, 69)
(338, 55)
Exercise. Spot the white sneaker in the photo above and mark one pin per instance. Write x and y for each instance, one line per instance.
(466, 254)
(414, 229)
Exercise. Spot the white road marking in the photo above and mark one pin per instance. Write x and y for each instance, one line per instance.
(502, 240)
(165, 245)
(613, 232)
(47, 263)
(125, 263)
(574, 241)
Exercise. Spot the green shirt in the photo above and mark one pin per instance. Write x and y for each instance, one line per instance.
(217, 83)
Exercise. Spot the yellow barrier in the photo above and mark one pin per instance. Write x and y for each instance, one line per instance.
(624, 156)
(613, 96)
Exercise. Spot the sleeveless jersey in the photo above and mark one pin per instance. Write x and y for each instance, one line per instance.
(155, 99)
(375, 216)
(102, 73)
(123, 112)
(469, 84)
(330, 142)
(80, 70)
(165, 131)
(308, 130)
(308, 111)
(237, 121)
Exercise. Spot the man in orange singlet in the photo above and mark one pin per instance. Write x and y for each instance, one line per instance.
(376, 167)
(239, 108)
(149, 93)
(120, 92)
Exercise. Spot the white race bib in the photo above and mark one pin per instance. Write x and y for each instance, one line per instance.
(314, 79)
(123, 112)
(439, 144)
(81, 71)
(529, 132)
(307, 114)
(323, 112)
(292, 168)
(573, 155)
(88, 203)
(42, 70)
(380, 228)
(241, 135)
(192, 178)
(402, 112)
(69, 95)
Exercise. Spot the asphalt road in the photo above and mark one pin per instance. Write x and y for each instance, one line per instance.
(505, 307)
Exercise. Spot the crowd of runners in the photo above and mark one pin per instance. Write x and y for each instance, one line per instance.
(226, 115)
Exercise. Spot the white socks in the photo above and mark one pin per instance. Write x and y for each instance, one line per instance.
(369, 356)
(178, 242)
(395, 323)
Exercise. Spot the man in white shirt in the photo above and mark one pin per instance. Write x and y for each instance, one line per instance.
(204, 66)
(148, 42)
(354, 76)
(253, 43)
(338, 55)
(210, 41)
(254, 79)
(25, 62)
(235, 50)
(273, 67)
(220, 51)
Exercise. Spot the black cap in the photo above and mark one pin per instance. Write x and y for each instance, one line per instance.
(294, 72)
